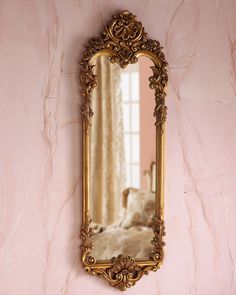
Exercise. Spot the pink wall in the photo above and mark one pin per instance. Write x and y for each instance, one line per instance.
(40, 150)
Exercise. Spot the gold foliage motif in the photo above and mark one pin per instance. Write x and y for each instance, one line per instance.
(123, 40)
(159, 232)
(123, 271)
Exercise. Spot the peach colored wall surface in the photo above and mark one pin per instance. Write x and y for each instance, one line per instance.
(40, 149)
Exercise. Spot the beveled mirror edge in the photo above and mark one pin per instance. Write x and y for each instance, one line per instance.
(124, 50)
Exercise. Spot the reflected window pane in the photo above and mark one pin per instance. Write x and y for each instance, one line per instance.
(135, 117)
(128, 176)
(135, 148)
(135, 176)
(135, 86)
(125, 86)
(126, 117)
(127, 149)
(131, 122)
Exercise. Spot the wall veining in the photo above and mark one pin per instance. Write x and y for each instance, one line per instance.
(40, 149)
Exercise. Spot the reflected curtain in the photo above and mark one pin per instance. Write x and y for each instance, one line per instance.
(107, 144)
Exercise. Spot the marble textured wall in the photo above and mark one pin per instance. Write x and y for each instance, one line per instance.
(40, 129)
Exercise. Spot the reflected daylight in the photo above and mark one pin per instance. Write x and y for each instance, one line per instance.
(122, 156)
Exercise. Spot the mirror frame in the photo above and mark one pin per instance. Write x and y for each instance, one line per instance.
(124, 40)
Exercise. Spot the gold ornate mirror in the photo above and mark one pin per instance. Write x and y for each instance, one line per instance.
(123, 78)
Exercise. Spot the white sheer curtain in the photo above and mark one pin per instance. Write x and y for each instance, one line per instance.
(107, 144)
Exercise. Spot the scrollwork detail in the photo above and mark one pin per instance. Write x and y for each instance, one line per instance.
(158, 82)
(124, 37)
(123, 40)
(158, 243)
(124, 271)
(86, 234)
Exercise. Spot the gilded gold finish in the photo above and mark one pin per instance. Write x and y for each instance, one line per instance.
(124, 40)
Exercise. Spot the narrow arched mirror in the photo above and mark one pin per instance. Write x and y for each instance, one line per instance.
(122, 147)
(123, 78)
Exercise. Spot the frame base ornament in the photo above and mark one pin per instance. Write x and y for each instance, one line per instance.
(122, 272)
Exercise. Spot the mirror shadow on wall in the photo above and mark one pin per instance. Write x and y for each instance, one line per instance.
(122, 160)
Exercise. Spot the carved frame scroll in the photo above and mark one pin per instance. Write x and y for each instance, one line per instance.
(124, 40)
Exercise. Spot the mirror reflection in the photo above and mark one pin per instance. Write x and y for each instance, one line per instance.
(122, 160)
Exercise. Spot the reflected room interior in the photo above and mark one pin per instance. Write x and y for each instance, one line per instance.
(122, 159)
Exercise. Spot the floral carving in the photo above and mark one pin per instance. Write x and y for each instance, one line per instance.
(159, 232)
(123, 40)
(124, 271)
(86, 234)
(158, 82)
(125, 27)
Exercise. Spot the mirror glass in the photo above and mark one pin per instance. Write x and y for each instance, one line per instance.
(122, 160)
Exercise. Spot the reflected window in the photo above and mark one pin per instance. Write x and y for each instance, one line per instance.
(131, 117)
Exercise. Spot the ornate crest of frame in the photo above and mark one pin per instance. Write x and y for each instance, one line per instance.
(124, 40)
